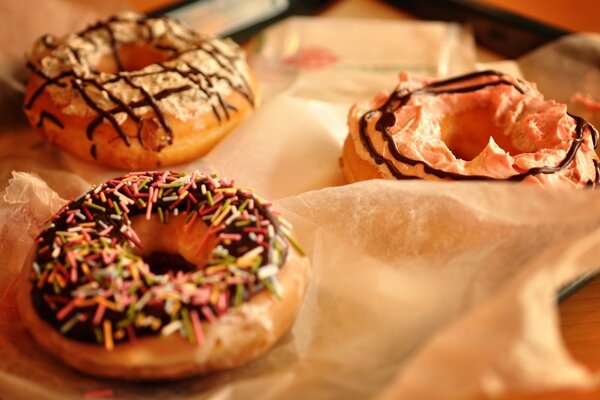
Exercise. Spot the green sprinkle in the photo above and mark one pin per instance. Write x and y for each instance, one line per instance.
(187, 324)
(123, 323)
(240, 224)
(173, 184)
(142, 202)
(295, 244)
(69, 324)
(98, 334)
(144, 183)
(257, 263)
(161, 215)
(160, 192)
(116, 207)
(209, 197)
(271, 287)
(239, 295)
(244, 205)
(95, 206)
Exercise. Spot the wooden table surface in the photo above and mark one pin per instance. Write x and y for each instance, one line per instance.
(579, 313)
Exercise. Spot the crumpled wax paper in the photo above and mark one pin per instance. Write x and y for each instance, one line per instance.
(419, 289)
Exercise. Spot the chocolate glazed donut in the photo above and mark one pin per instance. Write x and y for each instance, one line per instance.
(162, 275)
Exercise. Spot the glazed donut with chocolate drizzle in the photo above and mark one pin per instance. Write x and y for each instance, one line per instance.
(135, 92)
(161, 275)
(479, 126)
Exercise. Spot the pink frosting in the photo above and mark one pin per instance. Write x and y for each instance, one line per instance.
(534, 133)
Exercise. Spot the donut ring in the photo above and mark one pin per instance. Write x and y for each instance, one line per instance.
(135, 92)
(479, 126)
(103, 291)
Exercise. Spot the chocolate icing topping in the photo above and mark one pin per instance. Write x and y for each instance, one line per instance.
(84, 255)
(461, 84)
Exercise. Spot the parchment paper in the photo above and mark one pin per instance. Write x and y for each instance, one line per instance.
(420, 289)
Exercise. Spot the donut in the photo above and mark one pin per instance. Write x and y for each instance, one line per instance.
(483, 125)
(162, 275)
(137, 93)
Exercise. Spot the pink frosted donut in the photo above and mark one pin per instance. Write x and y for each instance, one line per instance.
(479, 126)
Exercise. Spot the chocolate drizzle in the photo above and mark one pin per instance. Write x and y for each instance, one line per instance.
(400, 97)
(45, 115)
(195, 77)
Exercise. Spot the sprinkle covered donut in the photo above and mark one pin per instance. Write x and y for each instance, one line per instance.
(134, 92)
(479, 126)
(162, 275)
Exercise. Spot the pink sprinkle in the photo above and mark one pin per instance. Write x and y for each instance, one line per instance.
(106, 231)
(134, 238)
(99, 314)
(149, 209)
(70, 218)
(190, 222)
(230, 236)
(174, 204)
(222, 303)
(110, 202)
(208, 314)
(99, 394)
(126, 189)
(193, 198)
(255, 230)
(87, 212)
(218, 197)
(184, 188)
(155, 197)
(212, 182)
(65, 310)
(131, 334)
(124, 206)
(193, 179)
(201, 296)
(74, 273)
(197, 327)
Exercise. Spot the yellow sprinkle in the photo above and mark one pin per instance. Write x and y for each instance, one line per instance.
(88, 224)
(226, 190)
(42, 279)
(214, 296)
(102, 197)
(134, 272)
(168, 296)
(248, 258)
(107, 303)
(119, 334)
(85, 268)
(221, 216)
(85, 303)
(182, 195)
(215, 268)
(108, 338)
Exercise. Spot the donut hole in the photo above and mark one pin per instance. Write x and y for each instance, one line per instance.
(172, 246)
(131, 57)
(161, 263)
(467, 133)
